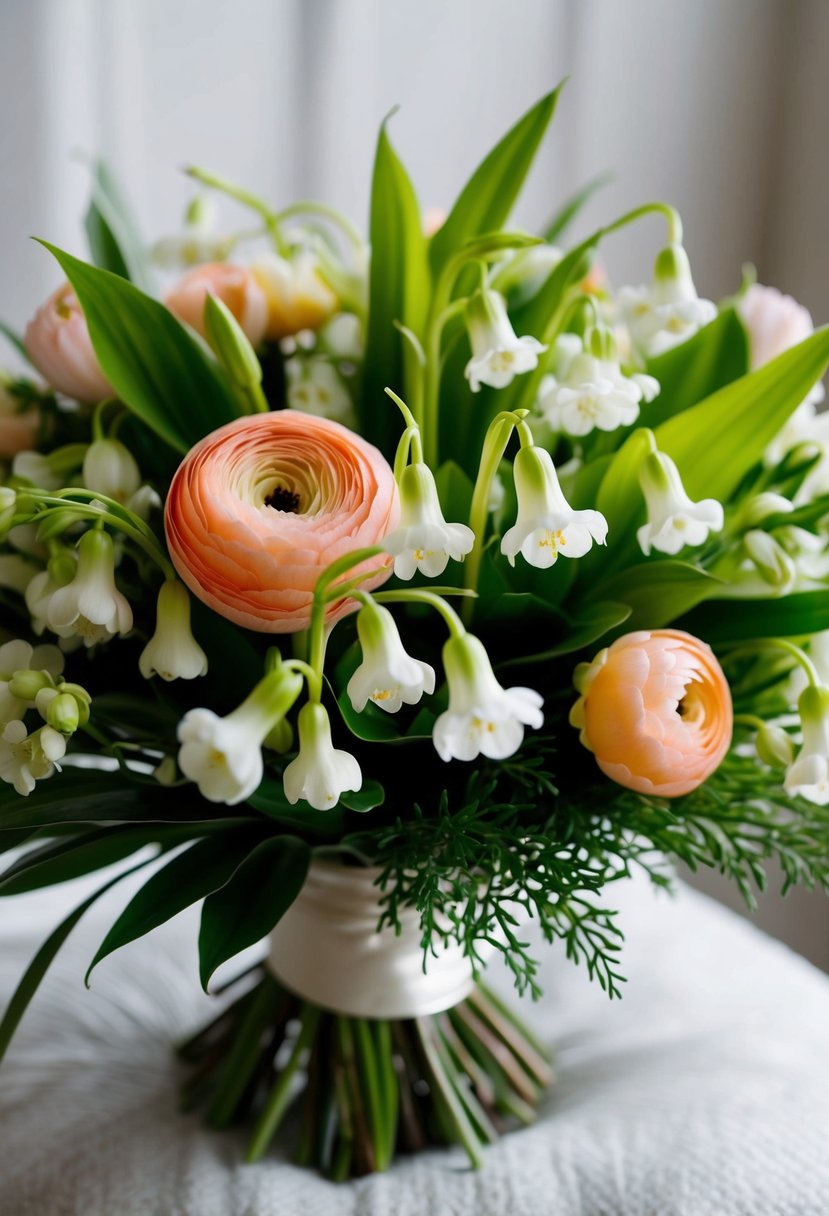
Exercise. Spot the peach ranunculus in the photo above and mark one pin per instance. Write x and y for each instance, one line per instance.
(655, 709)
(57, 342)
(259, 508)
(18, 428)
(236, 286)
(298, 297)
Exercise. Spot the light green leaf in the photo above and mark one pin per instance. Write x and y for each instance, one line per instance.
(659, 592)
(716, 442)
(152, 362)
(190, 876)
(716, 355)
(254, 899)
(565, 215)
(455, 491)
(112, 232)
(488, 197)
(398, 291)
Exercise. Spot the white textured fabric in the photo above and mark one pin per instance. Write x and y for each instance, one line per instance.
(705, 1092)
(353, 969)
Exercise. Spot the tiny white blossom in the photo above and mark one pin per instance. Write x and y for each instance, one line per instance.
(388, 676)
(109, 468)
(314, 387)
(320, 773)
(808, 776)
(59, 571)
(546, 526)
(674, 521)
(26, 759)
(588, 390)
(172, 652)
(668, 312)
(91, 606)
(498, 355)
(424, 540)
(482, 718)
(38, 469)
(19, 656)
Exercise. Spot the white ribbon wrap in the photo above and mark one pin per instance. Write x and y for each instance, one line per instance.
(326, 948)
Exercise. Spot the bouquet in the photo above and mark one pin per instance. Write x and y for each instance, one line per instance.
(389, 595)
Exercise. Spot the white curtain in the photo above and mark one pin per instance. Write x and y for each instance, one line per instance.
(720, 108)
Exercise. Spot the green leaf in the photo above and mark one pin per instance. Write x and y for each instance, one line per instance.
(369, 796)
(112, 231)
(619, 498)
(455, 491)
(716, 442)
(61, 860)
(15, 340)
(592, 623)
(190, 876)
(716, 355)
(252, 901)
(40, 964)
(149, 358)
(565, 215)
(398, 291)
(270, 800)
(488, 197)
(660, 591)
(790, 616)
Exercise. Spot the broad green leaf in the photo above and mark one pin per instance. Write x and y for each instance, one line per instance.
(488, 197)
(565, 215)
(254, 899)
(112, 231)
(80, 795)
(716, 442)
(370, 795)
(591, 624)
(67, 858)
(40, 964)
(716, 355)
(455, 491)
(790, 616)
(619, 498)
(659, 592)
(191, 875)
(152, 362)
(398, 291)
(270, 800)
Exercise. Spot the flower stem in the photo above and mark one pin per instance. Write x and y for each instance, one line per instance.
(270, 217)
(418, 595)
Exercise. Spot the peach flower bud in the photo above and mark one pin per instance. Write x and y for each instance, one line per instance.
(237, 288)
(57, 342)
(774, 322)
(655, 709)
(261, 507)
(18, 428)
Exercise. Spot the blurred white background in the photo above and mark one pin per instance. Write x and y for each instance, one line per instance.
(720, 108)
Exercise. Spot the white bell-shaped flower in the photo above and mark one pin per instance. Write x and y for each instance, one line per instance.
(808, 776)
(172, 652)
(91, 606)
(223, 756)
(668, 312)
(315, 387)
(546, 526)
(498, 355)
(388, 676)
(674, 521)
(109, 468)
(27, 758)
(8, 507)
(588, 389)
(423, 540)
(321, 772)
(482, 718)
(59, 572)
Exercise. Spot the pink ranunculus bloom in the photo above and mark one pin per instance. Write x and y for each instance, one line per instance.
(18, 429)
(258, 509)
(655, 710)
(774, 322)
(57, 342)
(237, 288)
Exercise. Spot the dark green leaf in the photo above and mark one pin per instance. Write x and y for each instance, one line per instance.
(455, 491)
(592, 623)
(67, 858)
(252, 901)
(40, 964)
(564, 217)
(190, 876)
(152, 362)
(270, 800)
(112, 231)
(398, 291)
(716, 442)
(791, 616)
(658, 592)
(488, 197)
(370, 795)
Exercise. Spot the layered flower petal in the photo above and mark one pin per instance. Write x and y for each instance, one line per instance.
(236, 286)
(58, 343)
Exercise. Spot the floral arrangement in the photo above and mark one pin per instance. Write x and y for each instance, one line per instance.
(388, 595)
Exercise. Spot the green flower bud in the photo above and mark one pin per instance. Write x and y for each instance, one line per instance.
(230, 344)
(25, 685)
(774, 746)
(63, 713)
